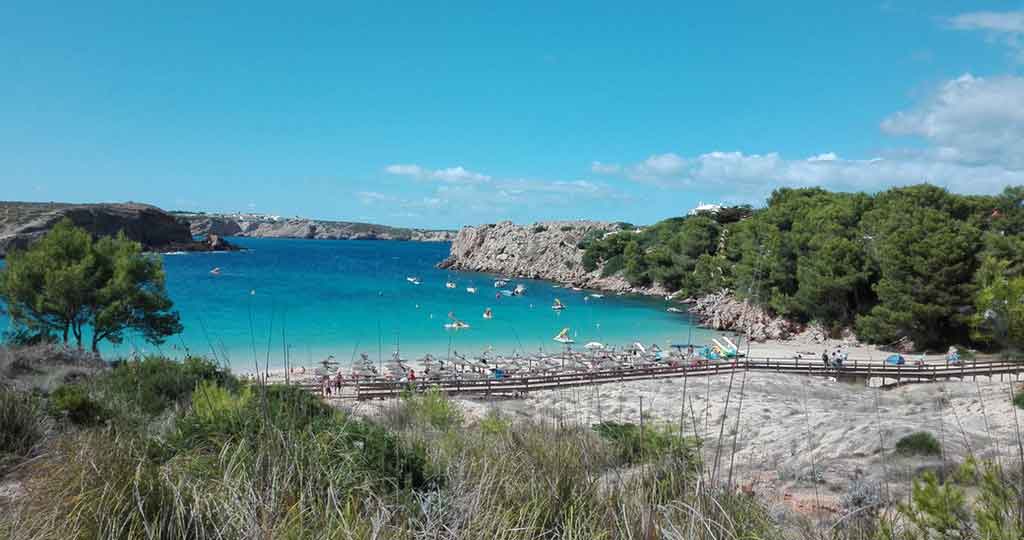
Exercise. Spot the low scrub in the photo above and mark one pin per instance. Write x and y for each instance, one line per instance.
(155, 383)
(23, 425)
(74, 402)
(920, 443)
(636, 444)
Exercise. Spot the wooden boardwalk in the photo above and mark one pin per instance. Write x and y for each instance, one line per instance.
(519, 385)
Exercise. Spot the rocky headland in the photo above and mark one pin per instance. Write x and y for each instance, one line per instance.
(22, 223)
(546, 250)
(550, 251)
(260, 226)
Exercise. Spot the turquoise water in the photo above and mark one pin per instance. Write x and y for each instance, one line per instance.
(319, 297)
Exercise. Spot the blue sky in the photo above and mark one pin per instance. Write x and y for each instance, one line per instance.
(444, 114)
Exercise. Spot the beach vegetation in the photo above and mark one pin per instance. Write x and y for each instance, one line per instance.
(999, 304)
(637, 444)
(23, 425)
(67, 284)
(920, 443)
(74, 402)
(914, 262)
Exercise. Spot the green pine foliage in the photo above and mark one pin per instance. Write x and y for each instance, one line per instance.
(69, 285)
(905, 263)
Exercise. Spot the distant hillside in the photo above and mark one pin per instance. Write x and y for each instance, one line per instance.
(260, 226)
(21, 223)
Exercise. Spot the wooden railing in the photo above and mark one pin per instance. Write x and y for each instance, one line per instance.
(518, 384)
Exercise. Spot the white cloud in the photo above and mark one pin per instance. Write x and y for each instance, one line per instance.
(404, 170)
(970, 120)
(373, 197)
(973, 129)
(456, 174)
(459, 174)
(827, 156)
(605, 168)
(1011, 22)
(657, 166)
(1005, 27)
(751, 177)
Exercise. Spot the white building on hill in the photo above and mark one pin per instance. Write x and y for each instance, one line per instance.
(710, 208)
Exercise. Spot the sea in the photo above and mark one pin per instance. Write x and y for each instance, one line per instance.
(306, 300)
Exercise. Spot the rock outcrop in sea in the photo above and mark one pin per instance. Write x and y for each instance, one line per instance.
(22, 223)
(546, 250)
(257, 226)
(723, 311)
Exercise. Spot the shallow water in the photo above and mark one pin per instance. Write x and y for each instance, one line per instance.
(321, 297)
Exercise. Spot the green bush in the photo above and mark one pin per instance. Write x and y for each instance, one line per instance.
(613, 266)
(635, 444)
(539, 228)
(1018, 400)
(431, 408)
(73, 401)
(155, 383)
(920, 443)
(23, 425)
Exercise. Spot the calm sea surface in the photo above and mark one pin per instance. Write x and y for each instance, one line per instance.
(320, 297)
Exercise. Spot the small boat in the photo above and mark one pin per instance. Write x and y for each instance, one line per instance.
(450, 284)
(563, 337)
(674, 310)
(488, 314)
(576, 289)
(215, 271)
(558, 305)
(413, 279)
(500, 283)
(506, 292)
(471, 290)
(596, 295)
(519, 290)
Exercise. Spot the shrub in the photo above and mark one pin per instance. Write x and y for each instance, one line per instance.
(539, 228)
(431, 408)
(23, 425)
(72, 401)
(155, 383)
(920, 443)
(1018, 400)
(613, 266)
(635, 444)
(494, 423)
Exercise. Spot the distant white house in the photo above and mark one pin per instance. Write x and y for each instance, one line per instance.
(709, 208)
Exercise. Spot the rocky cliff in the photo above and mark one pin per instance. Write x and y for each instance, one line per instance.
(22, 223)
(545, 250)
(267, 227)
(723, 311)
(548, 250)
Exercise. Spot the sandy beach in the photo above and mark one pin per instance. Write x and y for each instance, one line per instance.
(799, 441)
